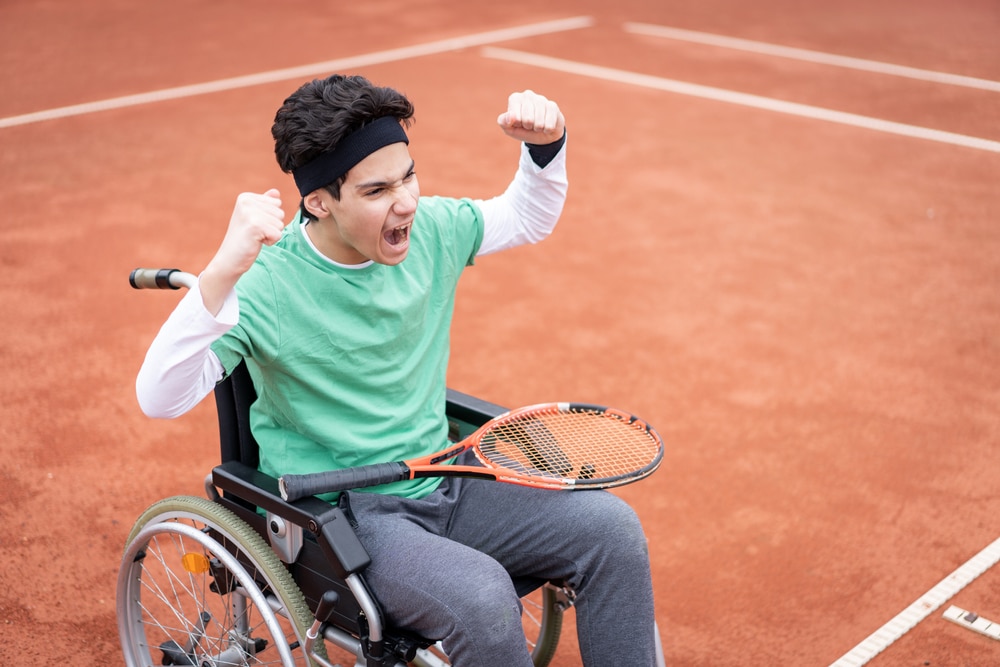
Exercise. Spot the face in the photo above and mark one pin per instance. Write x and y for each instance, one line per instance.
(373, 218)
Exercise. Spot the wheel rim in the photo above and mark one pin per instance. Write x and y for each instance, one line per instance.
(184, 598)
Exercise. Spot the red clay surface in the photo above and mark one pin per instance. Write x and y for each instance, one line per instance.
(807, 311)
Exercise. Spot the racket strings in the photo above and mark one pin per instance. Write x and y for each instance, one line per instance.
(572, 444)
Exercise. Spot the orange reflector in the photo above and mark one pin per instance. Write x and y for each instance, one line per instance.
(195, 563)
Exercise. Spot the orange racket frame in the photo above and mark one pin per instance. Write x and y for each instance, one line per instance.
(570, 446)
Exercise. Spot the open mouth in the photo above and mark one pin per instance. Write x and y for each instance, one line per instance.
(398, 235)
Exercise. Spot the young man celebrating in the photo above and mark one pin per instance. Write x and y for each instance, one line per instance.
(343, 319)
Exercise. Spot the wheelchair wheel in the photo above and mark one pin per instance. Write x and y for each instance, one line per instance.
(542, 617)
(198, 586)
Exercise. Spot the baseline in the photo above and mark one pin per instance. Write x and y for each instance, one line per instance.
(743, 99)
(378, 57)
(807, 55)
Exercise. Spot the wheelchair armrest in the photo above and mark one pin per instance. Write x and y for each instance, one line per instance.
(469, 409)
(260, 489)
(327, 522)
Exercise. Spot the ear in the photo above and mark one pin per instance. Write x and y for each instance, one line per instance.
(316, 204)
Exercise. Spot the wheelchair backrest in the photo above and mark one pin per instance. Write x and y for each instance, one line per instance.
(235, 394)
(233, 398)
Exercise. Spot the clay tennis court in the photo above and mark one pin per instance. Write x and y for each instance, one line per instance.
(788, 263)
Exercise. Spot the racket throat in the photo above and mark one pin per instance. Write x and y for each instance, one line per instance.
(472, 472)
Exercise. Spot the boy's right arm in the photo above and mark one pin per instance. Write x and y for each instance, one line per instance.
(180, 368)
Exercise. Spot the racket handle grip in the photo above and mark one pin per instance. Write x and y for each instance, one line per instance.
(294, 487)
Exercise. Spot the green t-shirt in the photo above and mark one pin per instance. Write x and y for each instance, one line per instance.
(350, 364)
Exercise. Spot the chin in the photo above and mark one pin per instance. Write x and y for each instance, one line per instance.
(393, 260)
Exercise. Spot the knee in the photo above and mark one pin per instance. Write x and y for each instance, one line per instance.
(617, 566)
(487, 619)
(619, 533)
(618, 522)
(490, 602)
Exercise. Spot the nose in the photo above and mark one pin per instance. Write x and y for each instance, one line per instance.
(405, 200)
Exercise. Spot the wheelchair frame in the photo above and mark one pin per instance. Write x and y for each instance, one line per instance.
(299, 565)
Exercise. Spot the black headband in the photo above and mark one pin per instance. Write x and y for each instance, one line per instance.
(326, 168)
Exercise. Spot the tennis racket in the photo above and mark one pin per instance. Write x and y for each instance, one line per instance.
(550, 446)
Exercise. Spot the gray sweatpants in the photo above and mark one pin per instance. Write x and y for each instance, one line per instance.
(442, 566)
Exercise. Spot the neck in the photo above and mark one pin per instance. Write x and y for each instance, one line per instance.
(325, 240)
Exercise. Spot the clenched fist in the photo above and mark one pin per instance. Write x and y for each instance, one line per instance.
(532, 118)
(257, 220)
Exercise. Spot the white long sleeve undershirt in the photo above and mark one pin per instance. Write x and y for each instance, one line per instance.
(180, 368)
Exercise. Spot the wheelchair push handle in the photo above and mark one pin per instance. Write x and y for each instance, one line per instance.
(161, 279)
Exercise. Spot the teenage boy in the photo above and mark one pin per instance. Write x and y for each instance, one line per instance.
(343, 319)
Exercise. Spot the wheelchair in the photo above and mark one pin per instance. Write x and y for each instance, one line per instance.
(242, 577)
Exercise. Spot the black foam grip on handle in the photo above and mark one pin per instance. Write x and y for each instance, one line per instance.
(327, 605)
(294, 487)
(152, 279)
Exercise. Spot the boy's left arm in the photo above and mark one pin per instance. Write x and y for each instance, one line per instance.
(529, 209)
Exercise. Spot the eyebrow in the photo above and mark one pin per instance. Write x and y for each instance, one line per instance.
(381, 184)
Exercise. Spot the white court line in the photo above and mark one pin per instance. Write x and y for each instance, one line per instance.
(441, 46)
(744, 99)
(916, 612)
(810, 56)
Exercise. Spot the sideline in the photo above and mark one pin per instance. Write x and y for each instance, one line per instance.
(810, 56)
(350, 62)
(743, 99)
(916, 612)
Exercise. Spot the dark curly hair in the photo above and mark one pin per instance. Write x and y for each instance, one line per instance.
(317, 116)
